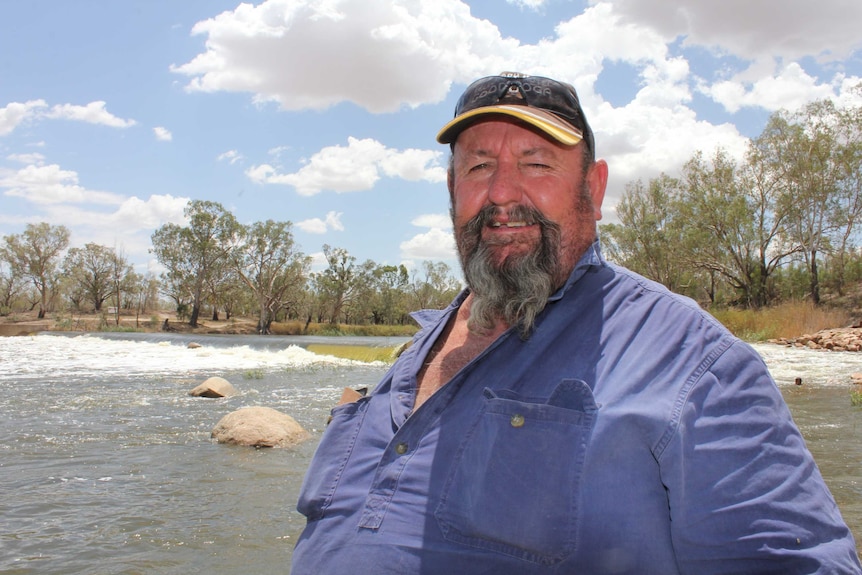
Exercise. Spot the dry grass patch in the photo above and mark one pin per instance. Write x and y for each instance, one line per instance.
(788, 320)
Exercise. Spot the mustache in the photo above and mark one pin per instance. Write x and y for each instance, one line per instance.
(519, 213)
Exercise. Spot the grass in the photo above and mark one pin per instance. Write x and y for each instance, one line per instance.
(364, 353)
(787, 320)
(856, 398)
(299, 328)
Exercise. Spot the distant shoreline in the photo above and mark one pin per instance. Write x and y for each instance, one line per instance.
(23, 324)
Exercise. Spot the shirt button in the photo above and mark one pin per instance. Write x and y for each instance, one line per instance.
(401, 448)
(517, 420)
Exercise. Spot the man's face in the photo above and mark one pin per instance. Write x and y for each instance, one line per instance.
(510, 178)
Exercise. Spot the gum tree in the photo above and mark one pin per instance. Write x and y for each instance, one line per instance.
(35, 255)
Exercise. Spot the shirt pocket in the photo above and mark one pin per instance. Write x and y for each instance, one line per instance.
(329, 459)
(514, 485)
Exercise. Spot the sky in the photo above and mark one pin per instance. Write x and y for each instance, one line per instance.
(113, 115)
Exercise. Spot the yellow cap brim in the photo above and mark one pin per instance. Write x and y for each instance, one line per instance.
(552, 125)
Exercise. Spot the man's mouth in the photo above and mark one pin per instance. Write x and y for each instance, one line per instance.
(509, 224)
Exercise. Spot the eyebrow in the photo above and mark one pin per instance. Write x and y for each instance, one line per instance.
(482, 152)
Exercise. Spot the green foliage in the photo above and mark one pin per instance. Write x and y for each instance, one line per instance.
(362, 353)
(856, 398)
(256, 373)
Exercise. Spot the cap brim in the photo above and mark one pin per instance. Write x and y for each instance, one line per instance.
(552, 125)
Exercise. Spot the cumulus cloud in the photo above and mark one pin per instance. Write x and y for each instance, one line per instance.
(378, 54)
(437, 243)
(441, 221)
(355, 167)
(790, 88)
(16, 113)
(788, 29)
(92, 113)
(162, 134)
(321, 226)
(50, 184)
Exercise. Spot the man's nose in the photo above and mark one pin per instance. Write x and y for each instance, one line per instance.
(504, 186)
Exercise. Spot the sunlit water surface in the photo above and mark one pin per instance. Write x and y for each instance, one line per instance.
(107, 466)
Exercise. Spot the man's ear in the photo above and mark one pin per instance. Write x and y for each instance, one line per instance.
(597, 181)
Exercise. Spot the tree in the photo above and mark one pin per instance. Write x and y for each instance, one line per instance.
(388, 304)
(88, 270)
(847, 207)
(267, 260)
(649, 236)
(435, 288)
(802, 150)
(724, 239)
(35, 255)
(11, 285)
(192, 254)
(336, 285)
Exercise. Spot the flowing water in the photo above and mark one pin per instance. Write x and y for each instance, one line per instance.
(107, 466)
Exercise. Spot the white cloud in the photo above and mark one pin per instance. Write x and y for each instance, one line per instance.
(231, 156)
(531, 4)
(319, 226)
(787, 29)
(435, 244)
(379, 54)
(92, 113)
(16, 112)
(162, 134)
(356, 167)
(790, 88)
(33, 158)
(51, 185)
(442, 221)
(137, 214)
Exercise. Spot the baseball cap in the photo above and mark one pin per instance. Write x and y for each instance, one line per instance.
(547, 104)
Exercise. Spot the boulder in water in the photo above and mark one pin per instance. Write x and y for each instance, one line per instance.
(259, 427)
(214, 387)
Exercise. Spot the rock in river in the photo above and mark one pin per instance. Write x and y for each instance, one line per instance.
(259, 427)
(214, 387)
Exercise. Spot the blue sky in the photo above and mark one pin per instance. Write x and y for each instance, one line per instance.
(323, 112)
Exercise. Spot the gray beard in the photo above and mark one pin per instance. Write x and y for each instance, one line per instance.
(517, 290)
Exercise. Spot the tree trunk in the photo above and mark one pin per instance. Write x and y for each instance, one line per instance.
(814, 282)
(196, 312)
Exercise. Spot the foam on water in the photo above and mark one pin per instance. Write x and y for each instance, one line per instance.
(85, 356)
(816, 367)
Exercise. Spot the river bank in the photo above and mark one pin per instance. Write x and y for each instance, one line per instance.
(28, 324)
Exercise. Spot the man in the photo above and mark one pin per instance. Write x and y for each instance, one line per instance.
(563, 415)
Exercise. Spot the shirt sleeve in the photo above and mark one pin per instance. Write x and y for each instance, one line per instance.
(744, 492)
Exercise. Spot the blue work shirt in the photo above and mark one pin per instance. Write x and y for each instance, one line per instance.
(630, 433)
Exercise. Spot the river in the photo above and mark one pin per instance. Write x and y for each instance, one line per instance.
(107, 466)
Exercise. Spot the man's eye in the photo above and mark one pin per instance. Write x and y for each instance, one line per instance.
(478, 167)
